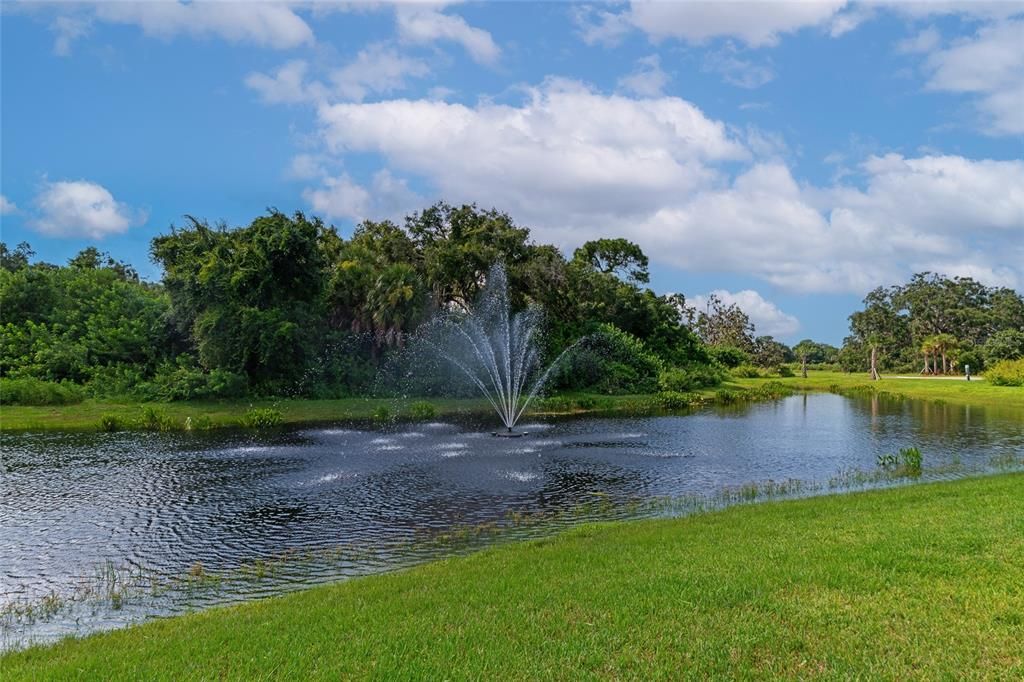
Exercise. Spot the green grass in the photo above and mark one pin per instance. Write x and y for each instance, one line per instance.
(922, 582)
(86, 416)
(976, 392)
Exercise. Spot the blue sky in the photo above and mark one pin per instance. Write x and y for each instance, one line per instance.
(789, 156)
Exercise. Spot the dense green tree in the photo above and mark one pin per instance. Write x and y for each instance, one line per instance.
(724, 325)
(619, 257)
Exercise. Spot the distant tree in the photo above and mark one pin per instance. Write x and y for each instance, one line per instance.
(1006, 344)
(770, 353)
(725, 325)
(619, 257)
(16, 259)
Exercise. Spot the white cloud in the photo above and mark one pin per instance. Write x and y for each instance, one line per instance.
(423, 23)
(7, 206)
(81, 209)
(757, 24)
(647, 79)
(267, 24)
(735, 70)
(565, 149)
(305, 167)
(990, 65)
(287, 85)
(376, 69)
(341, 197)
(767, 317)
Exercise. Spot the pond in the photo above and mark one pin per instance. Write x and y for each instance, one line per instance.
(101, 530)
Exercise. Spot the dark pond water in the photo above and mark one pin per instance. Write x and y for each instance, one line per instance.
(98, 530)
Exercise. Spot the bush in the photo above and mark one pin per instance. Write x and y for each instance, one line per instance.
(422, 410)
(610, 361)
(682, 379)
(262, 418)
(32, 391)
(745, 372)
(155, 420)
(184, 382)
(785, 371)
(110, 423)
(1006, 373)
(382, 415)
(675, 400)
(728, 356)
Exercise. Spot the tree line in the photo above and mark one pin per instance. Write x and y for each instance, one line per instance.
(287, 306)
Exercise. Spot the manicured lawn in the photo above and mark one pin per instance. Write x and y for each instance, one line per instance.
(976, 392)
(923, 582)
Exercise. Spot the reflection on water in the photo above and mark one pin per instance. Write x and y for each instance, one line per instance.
(163, 502)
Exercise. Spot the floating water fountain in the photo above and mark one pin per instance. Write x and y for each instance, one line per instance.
(494, 348)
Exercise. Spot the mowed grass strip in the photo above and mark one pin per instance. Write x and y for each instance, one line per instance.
(921, 582)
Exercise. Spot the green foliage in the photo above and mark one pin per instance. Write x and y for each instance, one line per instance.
(110, 423)
(784, 371)
(1006, 373)
(154, 419)
(745, 372)
(422, 410)
(1006, 344)
(381, 415)
(183, 382)
(690, 378)
(729, 356)
(610, 361)
(262, 418)
(677, 400)
(32, 391)
(906, 463)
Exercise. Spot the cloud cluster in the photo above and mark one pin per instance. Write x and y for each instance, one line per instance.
(79, 208)
(575, 164)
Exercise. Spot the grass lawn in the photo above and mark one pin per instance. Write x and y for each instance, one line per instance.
(922, 582)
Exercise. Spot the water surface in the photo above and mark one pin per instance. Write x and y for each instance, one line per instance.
(79, 512)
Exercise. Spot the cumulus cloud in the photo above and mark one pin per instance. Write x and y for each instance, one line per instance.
(757, 24)
(767, 317)
(425, 23)
(576, 164)
(989, 65)
(267, 24)
(7, 206)
(647, 79)
(287, 85)
(342, 197)
(80, 208)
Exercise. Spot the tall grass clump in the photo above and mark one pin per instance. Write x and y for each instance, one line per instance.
(1006, 373)
(32, 391)
(422, 410)
(906, 463)
(262, 418)
(110, 423)
(155, 420)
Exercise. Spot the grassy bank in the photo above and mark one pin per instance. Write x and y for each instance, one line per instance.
(977, 392)
(87, 415)
(912, 583)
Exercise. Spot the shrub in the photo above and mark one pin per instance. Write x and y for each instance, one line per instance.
(32, 391)
(185, 382)
(262, 418)
(110, 423)
(609, 361)
(585, 402)
(1006, 373)
(422, 410)
(199, 423)
(381, 415)
(155, 420)
(689, 378)
(728, 356)
(785, 371)
(728, 397)
(675, 400)
(745, 372)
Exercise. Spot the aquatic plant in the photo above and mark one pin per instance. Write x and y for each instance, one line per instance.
(110, 423)
(422, 410)
(262, 417)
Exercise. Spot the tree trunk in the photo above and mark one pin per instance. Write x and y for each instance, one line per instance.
(945, 363)
(874, 363)
(803, 365)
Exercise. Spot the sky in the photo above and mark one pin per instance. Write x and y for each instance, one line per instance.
(786, 156)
